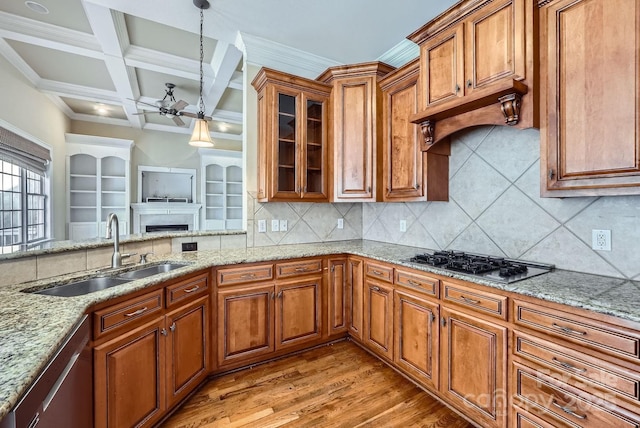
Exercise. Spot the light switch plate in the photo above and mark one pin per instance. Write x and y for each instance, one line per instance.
(340, 223)
(262, 226)
(284, 226)
(275, 225)
(403, 225)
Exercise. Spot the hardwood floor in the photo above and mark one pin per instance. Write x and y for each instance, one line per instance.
(339, 385)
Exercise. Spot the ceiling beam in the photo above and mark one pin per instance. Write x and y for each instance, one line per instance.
(223, 63)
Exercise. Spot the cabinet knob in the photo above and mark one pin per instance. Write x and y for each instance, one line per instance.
(163, 332)
(551, 174)
(457, 88)
(469, 83)
(443, 322)
(172, 327)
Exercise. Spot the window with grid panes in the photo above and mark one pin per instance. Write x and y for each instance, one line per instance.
(22, 207)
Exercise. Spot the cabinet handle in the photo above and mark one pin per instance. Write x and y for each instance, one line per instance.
(248, 275)
(469, 84)
(280, 294)
(551, 174)
(163, 332)
(443, 322)
(417, 186)
(412, 282)
(470, 301)
(375, 288)
(273, 295)
(568, 365)
(191, 290)
(376, 272)
(172, 327)
(568, 330)
(457, 88)
(432, 318)
(568, 411)
(301, 269)
(369, 189)
(138, 312)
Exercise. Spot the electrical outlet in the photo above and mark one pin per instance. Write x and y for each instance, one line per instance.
(275, 225)
(340, 223)
(262, 226)
(403, 225)
(283, 226)
(601, 239)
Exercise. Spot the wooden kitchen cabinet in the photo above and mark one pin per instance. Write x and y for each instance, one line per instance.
(590, 133)
(355, 130)
(476, 68)
(146, 360)
(473, 366)
(292, 137)
(298, 312)
(378, 318)
(416, 344)
(408, 174)
(355, 296)
(129, 382)
(337, 298)
(245, 323)
(187, 352)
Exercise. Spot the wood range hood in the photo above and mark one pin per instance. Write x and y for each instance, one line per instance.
(477, 68)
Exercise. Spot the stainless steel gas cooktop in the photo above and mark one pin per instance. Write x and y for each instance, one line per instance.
(496, 269)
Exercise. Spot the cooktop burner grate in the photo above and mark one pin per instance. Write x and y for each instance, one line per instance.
(495, 268)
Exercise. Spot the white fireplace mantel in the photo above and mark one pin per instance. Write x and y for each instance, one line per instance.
(156, 213)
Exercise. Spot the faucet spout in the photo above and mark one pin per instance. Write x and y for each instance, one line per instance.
(116, 258)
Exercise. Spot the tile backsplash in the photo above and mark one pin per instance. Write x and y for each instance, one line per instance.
(495, 208)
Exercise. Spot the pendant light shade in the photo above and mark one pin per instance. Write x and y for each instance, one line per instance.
(201, 136)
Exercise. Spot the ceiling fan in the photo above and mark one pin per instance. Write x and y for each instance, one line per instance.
(169, 107)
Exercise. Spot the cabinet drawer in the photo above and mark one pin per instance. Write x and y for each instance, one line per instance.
(557, 403)
(302, 267)
(414, 279)
(482, 301)
(378, 271)
(523, 419)
(591, 374)
(126, 314)
(244, 274)
(186, 290)
(603, 337)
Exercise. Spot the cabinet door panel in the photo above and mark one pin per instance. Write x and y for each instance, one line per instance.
(473, 364)
(337, 298)
(355, 272)
(442, 67)
(298, 312)
(129, 384)
(416, 337)
(495, 44)
(592, 81)
(355, 157)
(245, 326)
(379, 318)
(285, 155)
(187, 348)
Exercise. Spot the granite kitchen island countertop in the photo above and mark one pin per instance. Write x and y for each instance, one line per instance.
(33, 326)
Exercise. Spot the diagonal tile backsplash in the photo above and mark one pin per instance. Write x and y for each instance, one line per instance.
(494, 208)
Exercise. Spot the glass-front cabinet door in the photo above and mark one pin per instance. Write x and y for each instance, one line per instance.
(292, 147)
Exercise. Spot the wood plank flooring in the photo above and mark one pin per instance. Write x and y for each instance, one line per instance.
(339, 385)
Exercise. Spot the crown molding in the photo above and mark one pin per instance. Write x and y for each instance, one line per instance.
(16, 60)
(262, 52)
(80, 92)
(400, 54)
(50, 36)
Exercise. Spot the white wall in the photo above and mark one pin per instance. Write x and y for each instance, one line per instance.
(34, 113)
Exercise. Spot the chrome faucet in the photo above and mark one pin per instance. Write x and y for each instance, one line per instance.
(116, 258)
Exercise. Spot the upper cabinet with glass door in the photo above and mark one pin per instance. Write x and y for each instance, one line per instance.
(292, 137)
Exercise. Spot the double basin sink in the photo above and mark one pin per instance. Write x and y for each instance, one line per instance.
(86, 286)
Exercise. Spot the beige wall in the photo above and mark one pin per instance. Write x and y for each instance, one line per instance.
(36, 115)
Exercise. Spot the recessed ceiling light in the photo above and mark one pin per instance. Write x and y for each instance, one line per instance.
(36, 7)
(101, 109)
(223, 127)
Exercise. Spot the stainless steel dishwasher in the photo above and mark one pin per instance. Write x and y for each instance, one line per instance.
(62, 395)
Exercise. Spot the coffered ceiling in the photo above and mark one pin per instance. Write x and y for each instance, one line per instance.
(94, 58)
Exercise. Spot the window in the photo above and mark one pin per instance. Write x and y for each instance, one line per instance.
(22, 207)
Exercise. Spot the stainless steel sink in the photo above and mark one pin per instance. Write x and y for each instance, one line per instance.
(83, 287)
(145, 271)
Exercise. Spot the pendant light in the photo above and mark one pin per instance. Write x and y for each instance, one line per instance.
(201, 136)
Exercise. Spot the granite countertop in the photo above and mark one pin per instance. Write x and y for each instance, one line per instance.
(33, 326)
